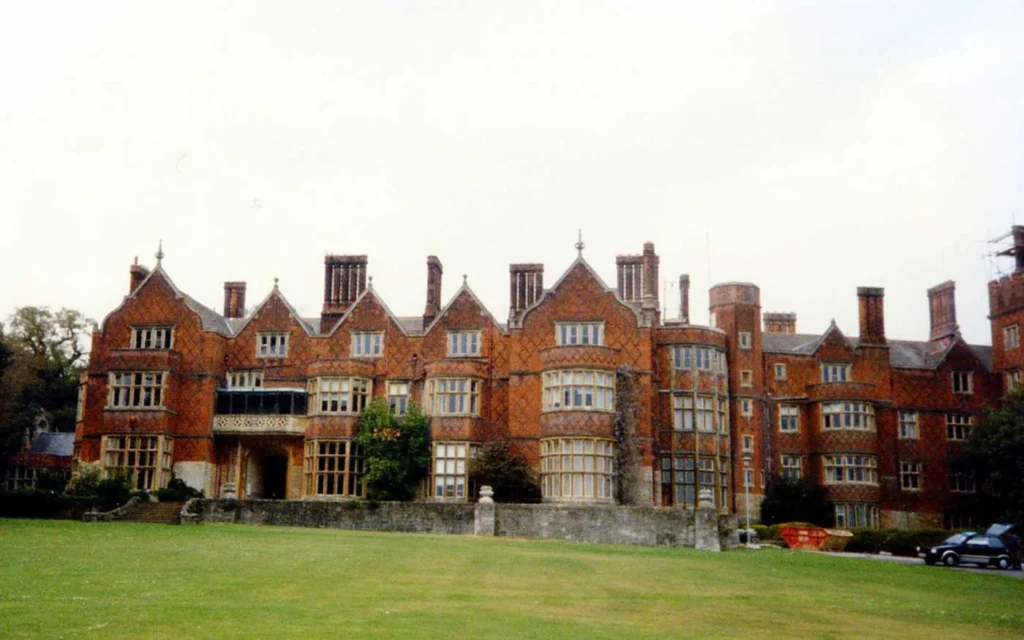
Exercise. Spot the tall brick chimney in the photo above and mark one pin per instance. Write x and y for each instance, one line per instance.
(526, 284)
(779, 322)
(871, 305)
(630, 278)
(942, 307)
(234, 299)
(433, 306)
(344, 281)
(650, 277)
(136, 274)
(1018, 247)
(684, 299)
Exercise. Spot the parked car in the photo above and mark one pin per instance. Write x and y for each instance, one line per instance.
(994, 548)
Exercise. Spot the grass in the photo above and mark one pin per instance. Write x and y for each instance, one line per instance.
(68, 579)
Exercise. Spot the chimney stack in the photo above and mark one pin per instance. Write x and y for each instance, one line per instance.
(344, 281)
(136, 274)
(650, 277)
(630, 278)
(684, 299)
(526, 284)
(779, 322)
(872, 315)
(942, 308)
(433, 306)
(234, 299)
(1018, 248)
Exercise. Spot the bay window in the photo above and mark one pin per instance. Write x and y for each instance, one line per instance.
(577, 469)
(579, 389)
(338, 395)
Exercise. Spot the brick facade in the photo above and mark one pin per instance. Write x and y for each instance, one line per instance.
(709, 400)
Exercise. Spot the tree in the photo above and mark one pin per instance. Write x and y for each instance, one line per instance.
(503, 466)
(396, 452)
(996, 449)
(41, 356)
(796, 501)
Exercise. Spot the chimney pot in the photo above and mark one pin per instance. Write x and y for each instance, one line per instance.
(234, 299)
(526, 284)
(136, 274)
(942, 310)
(434, 273)
(779, 322)
(684, 298)
(872, 315)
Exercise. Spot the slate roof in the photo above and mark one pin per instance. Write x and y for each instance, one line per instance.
(903, 354)
(212, 321)
(53, 444)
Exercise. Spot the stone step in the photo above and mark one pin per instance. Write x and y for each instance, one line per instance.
(155, 513)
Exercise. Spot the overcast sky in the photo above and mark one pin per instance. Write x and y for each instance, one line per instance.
(814, 147)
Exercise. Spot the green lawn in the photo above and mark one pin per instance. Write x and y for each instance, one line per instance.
(118, 580)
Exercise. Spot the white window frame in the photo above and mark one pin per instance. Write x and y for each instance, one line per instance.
(963, 382)
(451, 396)
(962, 481)
(245, 379)
(398, 396)
(272, 344)
(464, 344)
(746, 408)
(685, 415)
(835, 372)
(338, 395)
(153, 337)
(850, 515)
(847, 415)
(746, 340)
(1012, 379)
(909, 425)
(136, 390)
(910, 475)
(1011, 337)
(333, 468)
(575, 334)
(958, 426)
(746, 378)
(449, 470)
(20, 477)
(367, 344)
(780, 371)
(577, 469)
(685, 357)
(748, 444)
(146, 458)
(579, 390)
(792, 466)
(789, 418)
(850, 469)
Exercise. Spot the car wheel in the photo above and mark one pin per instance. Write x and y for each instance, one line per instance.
(1003, 563)
(951, 560)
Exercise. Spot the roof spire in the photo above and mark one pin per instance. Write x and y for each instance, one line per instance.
(579, 245)
(160, 252)
(275, 284)
(464, 276)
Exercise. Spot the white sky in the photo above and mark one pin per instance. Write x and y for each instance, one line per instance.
(818, 148)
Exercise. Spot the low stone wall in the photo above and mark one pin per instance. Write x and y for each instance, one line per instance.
(609, 524)
(408, 517)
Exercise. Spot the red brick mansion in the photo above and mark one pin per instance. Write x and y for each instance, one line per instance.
(270, 401)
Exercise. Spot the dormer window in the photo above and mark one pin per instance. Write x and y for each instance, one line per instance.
(579, 333)
(271, 344)
(245, 379)
(963, 382)
(463, 343)
(834, 372)
(367, 344)
(152, 337)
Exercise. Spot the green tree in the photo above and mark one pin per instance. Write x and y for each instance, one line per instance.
(796, 501)
(41, 354)
(503, 466)
(396, 452)
(996, 449)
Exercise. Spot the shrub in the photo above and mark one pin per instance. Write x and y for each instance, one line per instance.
(84, 484)
(796, 500)
(34, 503)
(112, 492)
(396, 452)
(503, 466)
(899, 543)
(177, 490)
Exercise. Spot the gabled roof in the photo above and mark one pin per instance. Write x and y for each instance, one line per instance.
(580, 260)
(368, 291)
(465, 289)
(211, 320)
(275, 292)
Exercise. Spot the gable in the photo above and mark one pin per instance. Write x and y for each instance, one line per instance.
(580, 294)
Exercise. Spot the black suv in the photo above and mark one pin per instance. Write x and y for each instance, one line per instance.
(994, 548)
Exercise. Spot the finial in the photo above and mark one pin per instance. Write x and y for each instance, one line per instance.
(136, 259)
(464, 276)
(275, 284)
(833, 322)
(579, 245)
(371, 282)
(160, 252)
